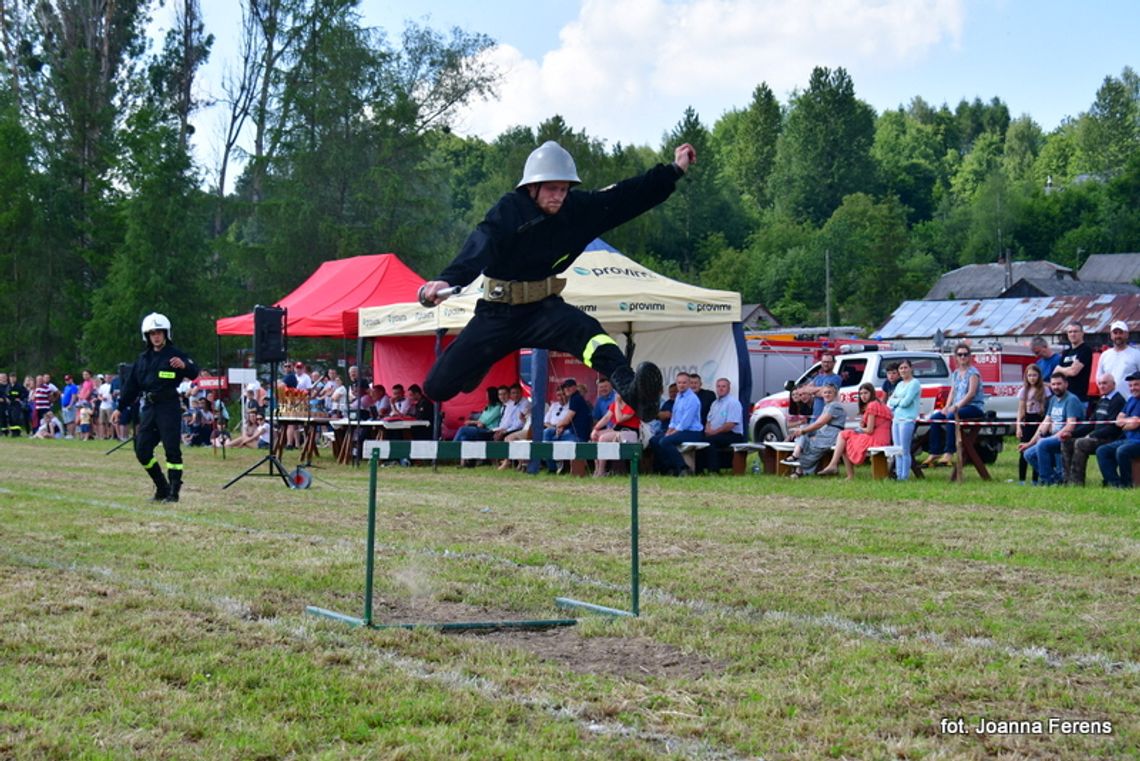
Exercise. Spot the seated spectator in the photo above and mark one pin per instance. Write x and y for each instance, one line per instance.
(400, 403)
(1031, 401)
(576, 421)
(1115, 458)
(250, 430)
(381, 402)
(1088, 437)
(1043, 451)
(481, 427)
(723, 427)
(967, 401)
(658, 426)
(620, 424)
(201, 424)
(707, 397)
(604, 399)
(684, 426)
(422, 408)
(874, 431)
(816, 438)
(50, 427)
(515, 412)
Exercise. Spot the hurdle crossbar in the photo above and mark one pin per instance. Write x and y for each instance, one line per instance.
(514, 450)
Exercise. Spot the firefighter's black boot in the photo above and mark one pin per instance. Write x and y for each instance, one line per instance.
(161, 487)
(175, 484)
(640, 390)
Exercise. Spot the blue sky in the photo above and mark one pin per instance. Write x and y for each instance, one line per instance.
(625, 70)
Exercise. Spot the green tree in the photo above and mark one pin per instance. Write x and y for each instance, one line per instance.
(1109, 134)
(748, 152)
(824, 152)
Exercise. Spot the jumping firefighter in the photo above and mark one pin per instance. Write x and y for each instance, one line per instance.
(525, 241)
(153, 381)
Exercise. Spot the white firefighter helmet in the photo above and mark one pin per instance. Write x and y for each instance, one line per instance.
(549, 162)
(155, 321)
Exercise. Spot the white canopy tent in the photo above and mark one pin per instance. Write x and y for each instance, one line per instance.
(674, 324)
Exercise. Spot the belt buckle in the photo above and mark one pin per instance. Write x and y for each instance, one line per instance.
(497, 292)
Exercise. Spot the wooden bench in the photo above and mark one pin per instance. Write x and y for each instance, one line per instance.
(778, 451)
(969, 453)
(880, 461)
(740, 454)
(689, 451)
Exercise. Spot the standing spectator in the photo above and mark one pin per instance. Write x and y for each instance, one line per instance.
(67, 399)
(30, 386)
(967, 399)
(724, 425)
(1047, 359)
(1031, 400)
(304, 377)
(11, 405)
(874, 431)
(825, 376)
(1115, 458)
(45, 396)
(684, 426)
(1043, 451)
(1119, 360)
(1076, 362)
(892, 379)
(1088, 437)
(904, 403)
(84, 414)
(103, 429)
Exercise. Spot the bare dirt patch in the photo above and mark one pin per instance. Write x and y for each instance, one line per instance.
(629, 657)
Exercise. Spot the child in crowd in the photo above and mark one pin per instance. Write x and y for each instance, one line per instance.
(85, 415)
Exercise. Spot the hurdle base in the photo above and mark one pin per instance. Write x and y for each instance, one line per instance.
(566, 602)
(540, 623)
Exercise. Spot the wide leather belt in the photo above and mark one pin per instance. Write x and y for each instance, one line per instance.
(516, 292)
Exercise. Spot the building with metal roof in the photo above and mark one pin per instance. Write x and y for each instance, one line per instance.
(1033, 287)
(1012, 319)
(1111, 268)
(987, 281)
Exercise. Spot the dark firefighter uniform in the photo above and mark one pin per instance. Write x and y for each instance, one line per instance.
(520, 249)
(153, 384)
(12, 396)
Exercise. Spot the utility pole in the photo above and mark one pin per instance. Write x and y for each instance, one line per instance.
(827, 286)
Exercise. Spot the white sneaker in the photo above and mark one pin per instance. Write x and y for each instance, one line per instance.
(791, 462)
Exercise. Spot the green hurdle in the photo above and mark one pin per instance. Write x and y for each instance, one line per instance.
(515, 450)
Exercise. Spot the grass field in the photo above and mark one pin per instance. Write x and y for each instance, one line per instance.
(780, 619)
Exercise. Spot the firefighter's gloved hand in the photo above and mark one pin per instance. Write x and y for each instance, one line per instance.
(435, 291)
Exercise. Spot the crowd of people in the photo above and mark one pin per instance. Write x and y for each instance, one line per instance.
(81, 409)
(1059, 427)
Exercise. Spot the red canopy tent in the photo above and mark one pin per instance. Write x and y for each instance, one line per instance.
(326, 304)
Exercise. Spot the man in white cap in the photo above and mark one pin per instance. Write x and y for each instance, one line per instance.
(1119, 360)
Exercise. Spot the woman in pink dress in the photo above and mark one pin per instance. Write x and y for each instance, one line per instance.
(874, 431)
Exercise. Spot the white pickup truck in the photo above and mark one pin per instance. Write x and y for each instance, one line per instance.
(769, 419)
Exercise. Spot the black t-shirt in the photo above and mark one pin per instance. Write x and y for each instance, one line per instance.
(1079, 383)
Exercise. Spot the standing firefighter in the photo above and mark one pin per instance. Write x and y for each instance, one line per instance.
(526, 240)
(153, 382)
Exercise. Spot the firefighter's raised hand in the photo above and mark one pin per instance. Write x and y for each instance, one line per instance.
(684, 156)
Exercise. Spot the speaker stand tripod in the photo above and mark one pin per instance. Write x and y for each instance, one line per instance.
(275, 468)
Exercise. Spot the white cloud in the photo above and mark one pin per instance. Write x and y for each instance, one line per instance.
(626, 69)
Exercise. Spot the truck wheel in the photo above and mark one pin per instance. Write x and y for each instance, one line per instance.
(766, 432)
(988, 450)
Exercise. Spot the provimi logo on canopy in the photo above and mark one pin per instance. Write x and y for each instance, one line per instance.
(698, 306)
(641, 306)
(626, 272)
